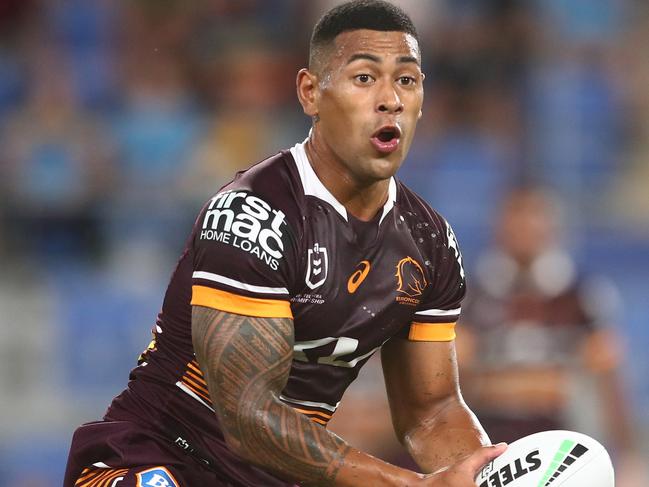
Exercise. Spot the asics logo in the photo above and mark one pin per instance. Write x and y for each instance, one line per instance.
(357, 278)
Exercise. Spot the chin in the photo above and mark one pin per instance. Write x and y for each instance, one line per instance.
(382, 169)
(388, 165)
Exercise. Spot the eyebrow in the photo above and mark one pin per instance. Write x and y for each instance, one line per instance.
(376, 59)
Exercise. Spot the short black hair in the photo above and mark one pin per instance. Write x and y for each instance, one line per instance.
(358, 14)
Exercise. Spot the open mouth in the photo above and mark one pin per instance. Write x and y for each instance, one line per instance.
(386, 139)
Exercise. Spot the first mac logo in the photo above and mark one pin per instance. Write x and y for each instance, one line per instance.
(247, 222)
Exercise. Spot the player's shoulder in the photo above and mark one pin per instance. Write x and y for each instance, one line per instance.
(417, 213)
(431, 232)
(275, 180)
(256, 215)
(270, 189)
(278, 169)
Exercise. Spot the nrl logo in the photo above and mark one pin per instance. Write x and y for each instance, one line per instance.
(317, 266)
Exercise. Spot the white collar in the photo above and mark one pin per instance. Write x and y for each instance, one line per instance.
(314, 187)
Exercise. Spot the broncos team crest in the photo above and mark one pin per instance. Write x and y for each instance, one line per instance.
(411, 281)
(156, 477)
(317, 266)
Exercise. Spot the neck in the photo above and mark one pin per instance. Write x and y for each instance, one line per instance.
(363, 199)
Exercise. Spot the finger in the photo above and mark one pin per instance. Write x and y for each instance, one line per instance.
(482, 456)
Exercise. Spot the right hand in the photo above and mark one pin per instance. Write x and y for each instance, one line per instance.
(464, 472)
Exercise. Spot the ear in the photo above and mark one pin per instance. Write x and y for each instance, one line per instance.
(307, 91)
(421, 113)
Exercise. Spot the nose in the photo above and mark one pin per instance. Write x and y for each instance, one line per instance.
(389, 100)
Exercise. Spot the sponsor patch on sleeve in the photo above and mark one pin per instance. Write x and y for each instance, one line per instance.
(156, 477)
(247, 222)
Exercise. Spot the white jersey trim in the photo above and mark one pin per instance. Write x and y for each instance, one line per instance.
(440, 312)
(392, 198)
(314, 187)
(195, 396)
(314, 404)
(208, 276)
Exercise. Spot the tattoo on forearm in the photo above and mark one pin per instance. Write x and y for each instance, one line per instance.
(246, 362)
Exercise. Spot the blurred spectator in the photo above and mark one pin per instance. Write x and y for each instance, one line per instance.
(155, 125)
(536, 347)
(574, 126)
(477, 62)
(629, 196)
(255, 115)
(56, 164)
(87, 30)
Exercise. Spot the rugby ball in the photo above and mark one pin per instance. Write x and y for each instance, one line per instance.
(550, 459)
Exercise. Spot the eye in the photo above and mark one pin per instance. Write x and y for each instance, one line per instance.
(364, 79)
(407, 80)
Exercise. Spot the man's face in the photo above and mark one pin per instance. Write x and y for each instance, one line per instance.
(527, 226)
(370, 98)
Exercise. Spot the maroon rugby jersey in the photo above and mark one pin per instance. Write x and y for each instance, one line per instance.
(276, 243)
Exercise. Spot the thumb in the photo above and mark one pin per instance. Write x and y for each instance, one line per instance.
(484, 455)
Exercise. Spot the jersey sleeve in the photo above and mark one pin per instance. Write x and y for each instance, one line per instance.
(244, 250)
(438, 313)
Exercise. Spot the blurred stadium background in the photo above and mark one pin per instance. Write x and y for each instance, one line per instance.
(118, 119)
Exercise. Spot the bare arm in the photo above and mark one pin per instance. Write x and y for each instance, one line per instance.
(246, 362)
(429, 415)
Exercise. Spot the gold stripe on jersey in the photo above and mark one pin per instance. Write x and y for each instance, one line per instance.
(193, 372)
(194, 366)
(312, 415)
(241, 305)
(318, 420)
(431, 332)
(90, 476)
(199, 380)
(193, 380)
(86, 473)
(110, 479)
(201, 391)
(313, 412)
(99, 477)
(315, 416)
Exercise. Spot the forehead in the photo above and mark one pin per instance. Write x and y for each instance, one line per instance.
(385, 45)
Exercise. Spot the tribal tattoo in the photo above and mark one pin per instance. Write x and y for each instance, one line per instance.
(246, 362)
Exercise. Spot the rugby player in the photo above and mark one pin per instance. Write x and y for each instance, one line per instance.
(295, 273)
